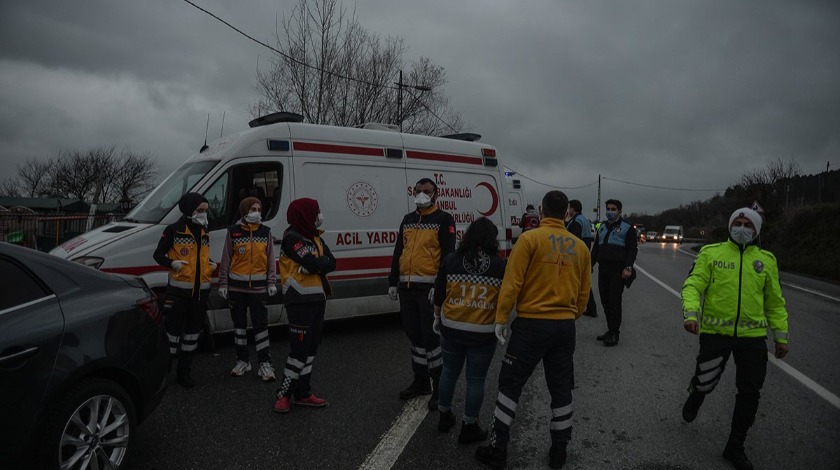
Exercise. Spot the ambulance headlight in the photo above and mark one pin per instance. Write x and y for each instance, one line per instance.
(93, 261)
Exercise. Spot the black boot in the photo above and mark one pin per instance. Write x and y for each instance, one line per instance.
(734, 452)
(557, 456)
(603, 336)
(446, 421)
(692, 406)
(471, 432)
(489, 455)
(419, 386)
(611, 339)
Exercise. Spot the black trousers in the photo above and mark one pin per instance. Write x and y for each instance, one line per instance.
(306, 327)
(591, 306)
(750, 370)
(417, 318)
(610, 289)
(532, 341)
(240, 304)
(183, 318)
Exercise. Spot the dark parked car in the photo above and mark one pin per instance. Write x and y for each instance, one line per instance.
(83, 360)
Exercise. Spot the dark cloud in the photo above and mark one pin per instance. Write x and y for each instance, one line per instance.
(673, 93)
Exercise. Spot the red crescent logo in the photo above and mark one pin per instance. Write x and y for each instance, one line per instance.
(495, 196)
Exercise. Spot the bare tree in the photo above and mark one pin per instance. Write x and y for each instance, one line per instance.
(333, 71)
(134, 176)
(33, 176)
(10, 188)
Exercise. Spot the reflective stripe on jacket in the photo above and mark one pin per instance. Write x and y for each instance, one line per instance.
(468, 293)
(425, 237)
(548, 275)
(179, 243)
(248, 258)
(314, 258)
(740, 290)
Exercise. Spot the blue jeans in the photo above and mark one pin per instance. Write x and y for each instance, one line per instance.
(478, 360)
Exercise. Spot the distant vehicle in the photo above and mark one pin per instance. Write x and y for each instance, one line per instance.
(672, 233)
(651, 236)
(83, 360)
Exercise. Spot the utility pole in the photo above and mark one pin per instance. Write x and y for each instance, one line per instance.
(598, 206)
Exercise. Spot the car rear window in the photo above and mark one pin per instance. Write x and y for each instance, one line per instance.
(21, 286)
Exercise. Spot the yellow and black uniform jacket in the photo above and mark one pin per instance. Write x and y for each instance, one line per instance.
(248, 258)
(304, 265)
(468, 292)
(548, 275)
(426, 236)
(180, 242)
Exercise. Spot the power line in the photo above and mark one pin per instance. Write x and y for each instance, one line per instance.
(286, 55)
(304, 64)
(659, 187)
(549, 185)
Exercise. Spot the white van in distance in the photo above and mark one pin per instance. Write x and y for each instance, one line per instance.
(363, 180)
(672, 233)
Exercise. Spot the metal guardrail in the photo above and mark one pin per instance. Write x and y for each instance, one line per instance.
(45, 232)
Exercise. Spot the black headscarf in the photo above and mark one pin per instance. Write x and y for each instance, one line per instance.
(189, 202)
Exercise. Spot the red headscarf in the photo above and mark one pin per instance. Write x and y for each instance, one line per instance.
(301, 216)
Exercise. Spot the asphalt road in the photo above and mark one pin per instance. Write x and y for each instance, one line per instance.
(627, 399)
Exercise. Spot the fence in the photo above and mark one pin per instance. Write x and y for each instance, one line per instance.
(45, 232)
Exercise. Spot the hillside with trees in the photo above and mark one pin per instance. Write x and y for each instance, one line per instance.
(802, 216)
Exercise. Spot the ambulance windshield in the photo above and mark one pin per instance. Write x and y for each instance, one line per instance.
(166, 196)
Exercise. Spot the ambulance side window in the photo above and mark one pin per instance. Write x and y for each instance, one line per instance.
(218, 213)
(263, 181)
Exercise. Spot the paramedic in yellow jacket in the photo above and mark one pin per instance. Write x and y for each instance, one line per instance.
(742, 298)
(304, 264)
(247, 276)
(426, 236)
(547, 280)
(184, 249)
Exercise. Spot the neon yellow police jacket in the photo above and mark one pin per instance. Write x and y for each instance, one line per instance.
(735, 292)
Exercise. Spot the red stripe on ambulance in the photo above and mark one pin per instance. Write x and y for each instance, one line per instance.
(442, 157)
(345, 149)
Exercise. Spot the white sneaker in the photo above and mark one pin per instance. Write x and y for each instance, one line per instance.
(266, 372)
(240, 368)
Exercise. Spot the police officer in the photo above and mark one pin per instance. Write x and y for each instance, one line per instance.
(426, 236)
(547, 279)
(615, 252)
(580, 227)
(184, 248)
(740, 284)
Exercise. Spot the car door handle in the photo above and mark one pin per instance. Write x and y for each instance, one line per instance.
(18, 356)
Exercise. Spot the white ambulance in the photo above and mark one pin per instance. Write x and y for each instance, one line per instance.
(363, 180)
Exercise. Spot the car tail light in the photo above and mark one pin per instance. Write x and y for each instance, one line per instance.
(150, 306)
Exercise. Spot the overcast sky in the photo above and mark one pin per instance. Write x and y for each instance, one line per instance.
(674, 93)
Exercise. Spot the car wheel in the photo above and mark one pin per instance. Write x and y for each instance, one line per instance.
(92, 427)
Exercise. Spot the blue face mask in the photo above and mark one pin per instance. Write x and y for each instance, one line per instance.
(612, 215)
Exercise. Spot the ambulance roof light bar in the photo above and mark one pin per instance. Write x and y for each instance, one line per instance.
(274, 118)
(467, 136)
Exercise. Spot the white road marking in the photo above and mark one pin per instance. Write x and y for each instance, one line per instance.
(802, 378)
(805, 289)
(386, 453)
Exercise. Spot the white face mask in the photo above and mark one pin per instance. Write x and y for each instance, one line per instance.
(742, 235)
(422, 200)
(319, 220)
(253, 218)
(200, 219)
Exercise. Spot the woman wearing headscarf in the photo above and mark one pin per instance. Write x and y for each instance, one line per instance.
(304, 263)
(184, 249)
(465, 297)
(247, 273)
